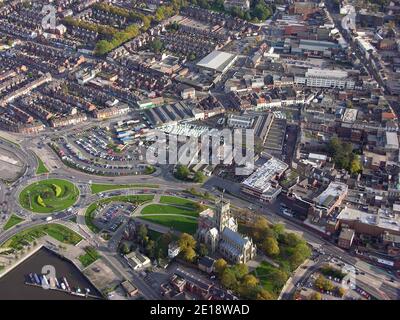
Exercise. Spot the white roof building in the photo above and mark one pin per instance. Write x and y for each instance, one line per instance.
(392, 141)
(350, 115)
(217, 61)
(326, 73)
(260, 184)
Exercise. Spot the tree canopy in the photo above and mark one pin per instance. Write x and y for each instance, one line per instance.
(343, 155)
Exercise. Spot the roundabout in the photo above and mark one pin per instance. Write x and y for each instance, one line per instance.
(49, 196)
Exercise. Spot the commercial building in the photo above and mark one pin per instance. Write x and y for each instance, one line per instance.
(325, 78)
(236, 121)
(392, 141)
(367, 223)
(217, 61)
(329, 199)
(263, 183)
(346, 238)
(310, 48)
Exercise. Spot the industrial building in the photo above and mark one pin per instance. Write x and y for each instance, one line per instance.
(217, 61)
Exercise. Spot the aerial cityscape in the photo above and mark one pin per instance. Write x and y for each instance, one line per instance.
(208, 150)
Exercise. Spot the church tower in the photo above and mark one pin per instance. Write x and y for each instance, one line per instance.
(222, 213)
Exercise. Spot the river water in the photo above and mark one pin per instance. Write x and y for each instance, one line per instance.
(13, 287)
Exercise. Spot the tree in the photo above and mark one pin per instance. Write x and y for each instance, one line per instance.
(182, 172)
(240, 270)
(295, 259)
(125, 248)
(261, 11)
(199, 177)
(189, 254)
(146, 22)
(203, 250)
(270, 247)
(229, 280)
(192, 56)
(220, 265)
(157, 46)
(186, 241)
(250, 281)
(164, 241)
(199, 207)
(315, 296)
(151, 248)
(279, 277)
(355, 165)
(329, 285)
(303, 249)
(279, 229)
(341, 292)
(264, 295)
(142, 232)
(261, 223)
(320, 282)
(103, 47)
(248, 286)
(324, 284)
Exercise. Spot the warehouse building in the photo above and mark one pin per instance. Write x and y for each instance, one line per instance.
(217, 61)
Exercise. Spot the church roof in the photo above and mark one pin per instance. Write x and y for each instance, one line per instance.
(235, 237)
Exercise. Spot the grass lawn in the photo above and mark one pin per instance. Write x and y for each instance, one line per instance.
(168, 209)
(57, 231)
(47, 196)
(90, 211)
(182, 224)
(97, 188)
(89, 257)
(264, 272)
(12, 222)
(177, 201)
(41, 169)
(89, 217)
(132, 199)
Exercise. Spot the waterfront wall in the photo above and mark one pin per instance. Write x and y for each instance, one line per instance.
(7, 269)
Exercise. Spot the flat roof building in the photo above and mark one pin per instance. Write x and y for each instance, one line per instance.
(217, 61)
(329, 199)
(262, 183)
(369, 224)
(392, 141)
